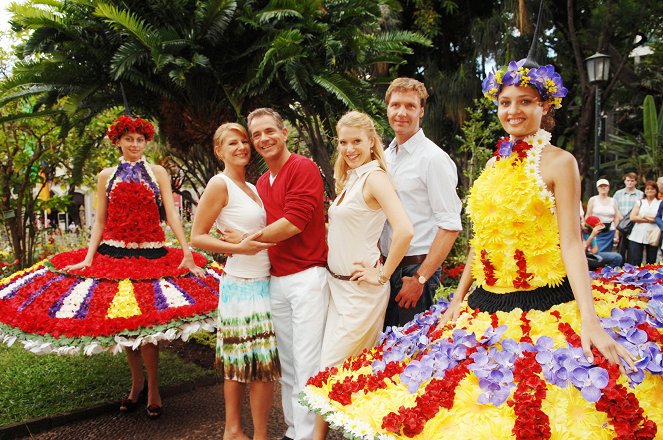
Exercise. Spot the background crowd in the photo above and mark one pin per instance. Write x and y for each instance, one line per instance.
(625, 227)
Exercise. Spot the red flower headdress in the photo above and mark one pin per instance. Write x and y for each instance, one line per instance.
(126, 124)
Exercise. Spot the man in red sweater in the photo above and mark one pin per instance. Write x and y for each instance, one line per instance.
(292, 193)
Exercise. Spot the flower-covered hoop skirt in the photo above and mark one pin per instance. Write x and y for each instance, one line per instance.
(133, 293)
(114, 303)
(507, 375)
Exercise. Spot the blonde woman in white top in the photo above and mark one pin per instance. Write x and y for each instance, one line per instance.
(643, 215)
(246, 345)
(358, 282)
(606, 209)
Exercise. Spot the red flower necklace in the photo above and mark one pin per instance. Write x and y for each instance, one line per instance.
(505, 147)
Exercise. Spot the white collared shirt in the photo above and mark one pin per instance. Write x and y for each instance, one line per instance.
(425, 178)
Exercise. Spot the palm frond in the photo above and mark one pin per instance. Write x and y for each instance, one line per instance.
(25, 116)
(126, 57)
(124, 20)
(343, 88)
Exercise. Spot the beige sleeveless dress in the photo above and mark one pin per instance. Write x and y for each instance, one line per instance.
(356, 310)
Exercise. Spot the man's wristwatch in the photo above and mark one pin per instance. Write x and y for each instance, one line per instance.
(420, 278)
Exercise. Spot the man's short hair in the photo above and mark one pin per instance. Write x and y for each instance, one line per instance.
(631, 175)
(404, 84)
(265, 111)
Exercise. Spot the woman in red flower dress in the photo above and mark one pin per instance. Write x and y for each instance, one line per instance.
(127, 290)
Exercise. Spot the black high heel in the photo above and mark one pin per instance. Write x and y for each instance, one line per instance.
(127, 405)
(153, 411)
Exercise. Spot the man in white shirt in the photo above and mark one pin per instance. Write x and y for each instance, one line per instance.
(425, 178)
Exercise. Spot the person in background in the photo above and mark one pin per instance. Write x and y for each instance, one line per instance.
(626, 198)
(629, 195)
(643, 215)
(246, 345)
(591, 229)
(659, 184)
(425, 178)
(605, 208)
(659, 223)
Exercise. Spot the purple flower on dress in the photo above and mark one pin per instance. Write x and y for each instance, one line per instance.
(506, 147)
(651, 358)
(492, 335)
(590, 381)
(129, 172)
(494, 369)
(655, 313)
(160, 301)
(415, 374)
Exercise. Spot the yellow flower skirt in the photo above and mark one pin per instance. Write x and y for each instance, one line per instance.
(506, 375)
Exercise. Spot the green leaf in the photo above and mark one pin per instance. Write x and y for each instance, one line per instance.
(649, 122)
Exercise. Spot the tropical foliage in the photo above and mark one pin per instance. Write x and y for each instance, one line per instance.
(193, 65)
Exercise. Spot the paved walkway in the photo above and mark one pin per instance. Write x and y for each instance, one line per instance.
(197, 414)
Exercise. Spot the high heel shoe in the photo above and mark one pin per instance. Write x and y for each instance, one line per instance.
(127, 405)
(153, 411)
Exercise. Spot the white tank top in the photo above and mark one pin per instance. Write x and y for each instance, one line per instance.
(604, 211)
(354, 228)
(244, 214)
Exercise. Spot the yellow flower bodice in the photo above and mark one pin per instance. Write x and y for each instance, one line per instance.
(515, 231)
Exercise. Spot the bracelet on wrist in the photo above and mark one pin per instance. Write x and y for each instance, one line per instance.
(382, 280)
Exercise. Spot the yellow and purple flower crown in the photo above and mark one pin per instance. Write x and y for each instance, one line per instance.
(544, 79)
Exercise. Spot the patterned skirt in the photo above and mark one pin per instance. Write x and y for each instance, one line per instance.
(115, 303)
(246, 344)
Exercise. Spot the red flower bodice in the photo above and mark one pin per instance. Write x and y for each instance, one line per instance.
(133, 217)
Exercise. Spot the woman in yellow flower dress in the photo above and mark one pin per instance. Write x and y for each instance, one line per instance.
(536, 349)
(127, 290)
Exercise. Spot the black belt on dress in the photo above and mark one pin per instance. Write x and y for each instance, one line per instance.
(117, 252)
(541, 298)
(409, 260)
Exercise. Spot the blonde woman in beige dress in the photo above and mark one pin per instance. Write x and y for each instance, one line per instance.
(359, 284)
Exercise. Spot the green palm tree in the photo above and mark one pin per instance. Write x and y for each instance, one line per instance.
(196, 64)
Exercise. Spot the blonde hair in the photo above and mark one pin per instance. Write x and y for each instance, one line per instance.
(362, 121)
(220, 133)
(405, 84)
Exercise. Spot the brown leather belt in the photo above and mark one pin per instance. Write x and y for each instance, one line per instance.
(337, 276)
(409, 260)
(345, 277)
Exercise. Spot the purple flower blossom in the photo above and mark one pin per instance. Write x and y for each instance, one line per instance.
(651, 358)
(160, 301)
(492, 335)
(415, 374)
(494, 369)
(590, 381)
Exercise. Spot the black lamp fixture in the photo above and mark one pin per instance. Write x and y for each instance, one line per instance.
(598, 71)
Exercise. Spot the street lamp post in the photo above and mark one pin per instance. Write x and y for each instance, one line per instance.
(598, 70)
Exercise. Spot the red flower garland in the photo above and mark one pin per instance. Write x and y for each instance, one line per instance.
(439, 393)
(126, 124)
(522, 281)
(653, 335)
(531, 422)
(488, 269)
